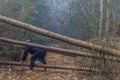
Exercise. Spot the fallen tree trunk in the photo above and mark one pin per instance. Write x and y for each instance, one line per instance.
(58, 50)
(51, 66)
(76, 42)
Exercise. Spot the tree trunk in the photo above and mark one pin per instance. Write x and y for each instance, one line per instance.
(108, 16)
(76, 42)
(51, 66)
(59, 50)
(101, 18)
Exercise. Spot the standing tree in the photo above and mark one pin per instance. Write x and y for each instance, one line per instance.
(101, 18)
(108, 16)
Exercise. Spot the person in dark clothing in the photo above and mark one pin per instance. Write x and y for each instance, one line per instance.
(37, 53)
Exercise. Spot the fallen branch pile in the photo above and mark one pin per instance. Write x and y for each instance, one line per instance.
(70, 40)
(59, 50)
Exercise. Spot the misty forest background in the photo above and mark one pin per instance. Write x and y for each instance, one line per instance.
(79, 19)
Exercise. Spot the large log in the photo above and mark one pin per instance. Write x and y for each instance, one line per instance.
(58, 50)
(70, 40)
(51, 66)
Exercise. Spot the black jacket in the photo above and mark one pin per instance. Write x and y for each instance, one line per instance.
(32, 51)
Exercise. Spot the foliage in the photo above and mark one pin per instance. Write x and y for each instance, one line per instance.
(20, 10)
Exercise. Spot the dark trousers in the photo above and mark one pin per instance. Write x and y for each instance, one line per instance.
(38, 54)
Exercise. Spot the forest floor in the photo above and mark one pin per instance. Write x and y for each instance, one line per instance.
(17, 73)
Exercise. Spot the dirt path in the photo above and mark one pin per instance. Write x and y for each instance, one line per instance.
(51, 74)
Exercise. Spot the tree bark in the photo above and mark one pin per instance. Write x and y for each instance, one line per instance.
(101, 18)
(108, 16)
(51, 66)
(59, 50)
(70, 40)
